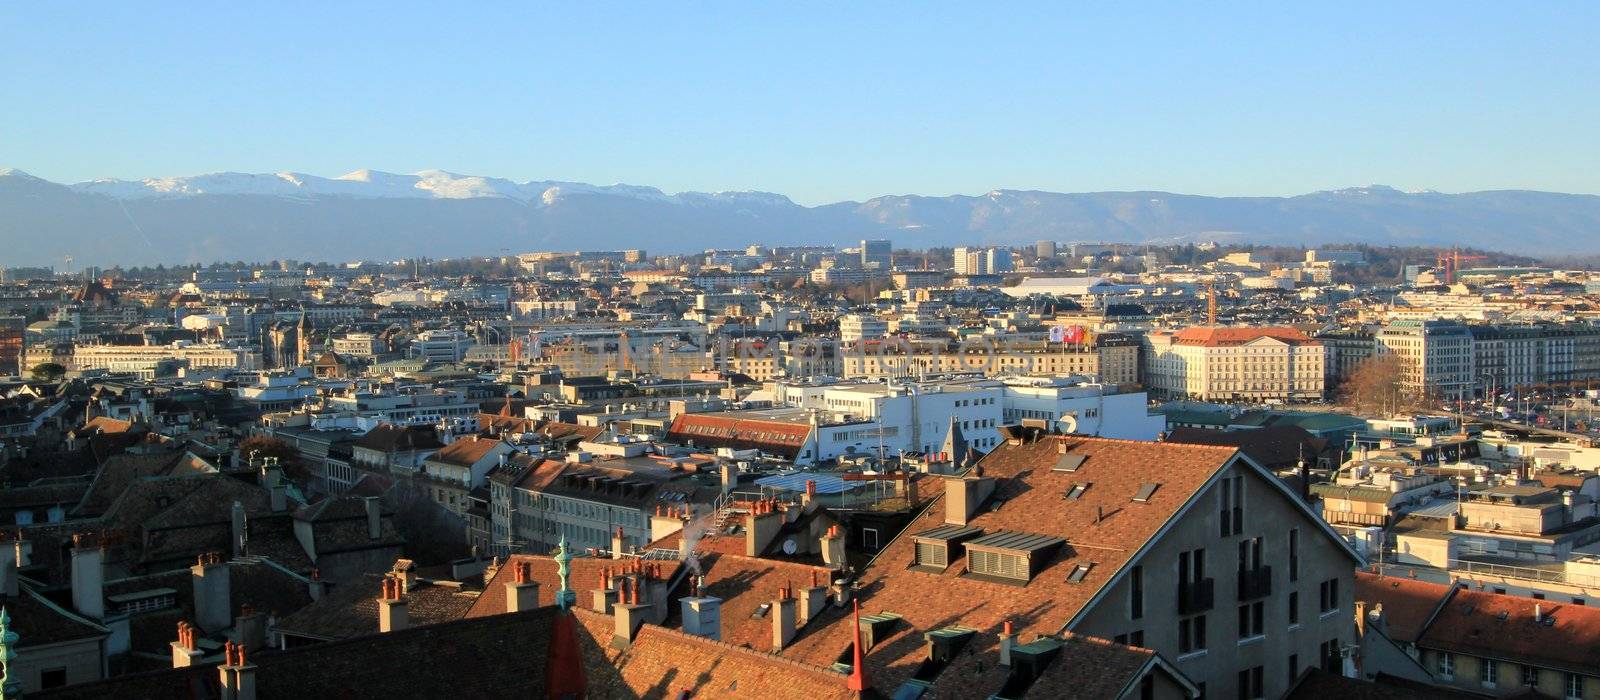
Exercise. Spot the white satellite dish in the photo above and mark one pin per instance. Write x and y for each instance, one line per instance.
(789, 547)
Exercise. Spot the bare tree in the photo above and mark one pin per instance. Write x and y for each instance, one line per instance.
(1377, 386)
(433, 534)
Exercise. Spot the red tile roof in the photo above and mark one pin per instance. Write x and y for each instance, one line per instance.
(1103, 527)
(711, 430)
(1407, 603)
(1229, 336)
(1503, 627)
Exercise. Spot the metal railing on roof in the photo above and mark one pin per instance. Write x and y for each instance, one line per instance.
(1506, 571)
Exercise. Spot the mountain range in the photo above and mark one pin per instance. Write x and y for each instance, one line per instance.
(371, 215)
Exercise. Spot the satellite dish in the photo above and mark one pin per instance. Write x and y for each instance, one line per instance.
(789, 547)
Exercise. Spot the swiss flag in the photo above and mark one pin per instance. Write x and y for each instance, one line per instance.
(1073, 334)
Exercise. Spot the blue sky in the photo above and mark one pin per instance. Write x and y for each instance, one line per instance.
(822, 102)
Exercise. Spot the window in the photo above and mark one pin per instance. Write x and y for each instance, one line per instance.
(1294, 669)
(1329, 596)
(1250, 684)
(1294, 607)
(1294, 554)
(1488, 673)
(1332, 660)
(1232, 506)
(1192, 634)
(1447, 665)
(1250, 620)
(1530, 676)
(1136, 593)
(1574, 686)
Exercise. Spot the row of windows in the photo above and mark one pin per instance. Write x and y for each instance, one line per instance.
(1489, 675)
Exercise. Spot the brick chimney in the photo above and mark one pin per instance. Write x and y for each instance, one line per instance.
(607, 595)
(629, 614)
(237, 538)
(1008, 641)
(238, 675)
(833, 548)
(811, 493)
(813, 599)
(392, 613)
(374, 518)
(763, 525)
(88, 578)
(522, 592)
(406, 571)
(702, 614)
(184, 651)
(783, 619)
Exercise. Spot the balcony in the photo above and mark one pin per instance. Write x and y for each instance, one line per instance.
(1197, 597)
(1255, 583)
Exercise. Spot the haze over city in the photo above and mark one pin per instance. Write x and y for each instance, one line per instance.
(1026, 351)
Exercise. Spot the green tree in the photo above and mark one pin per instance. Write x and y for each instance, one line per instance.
(48, 371)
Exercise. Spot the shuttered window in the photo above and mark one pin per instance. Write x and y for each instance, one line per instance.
(931, 554)
(998, 564)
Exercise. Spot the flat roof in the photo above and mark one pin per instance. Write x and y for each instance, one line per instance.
(1011, 539)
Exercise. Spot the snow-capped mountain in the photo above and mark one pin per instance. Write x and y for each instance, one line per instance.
(370, 214)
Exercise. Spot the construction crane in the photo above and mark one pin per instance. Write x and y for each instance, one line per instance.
(1450, 263)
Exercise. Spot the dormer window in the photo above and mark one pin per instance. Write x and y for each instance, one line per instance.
(938, 547)
(1009, 555)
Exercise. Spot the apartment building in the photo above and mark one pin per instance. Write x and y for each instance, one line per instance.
(1436, 355)
(143, 360)
(1190, 551)
(1234, 364)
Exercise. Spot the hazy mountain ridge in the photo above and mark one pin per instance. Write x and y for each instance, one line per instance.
(383, 216)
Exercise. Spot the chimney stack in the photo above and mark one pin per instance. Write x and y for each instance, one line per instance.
(250, 628)
(238, 674)
(763, 526)
(618, 543)
(374, 518)
(783, 620)
(629, 615)
(607, 595)
(811, 493)
(213, 605)
(1361, 619)
(522, 593)
(9, 561)
(730, 477)
(237, 540)
(392, 613)
(1538, 613)
(184, 651)
(702, 614)
(813, 599)
(279, 495)
(1008, 641)
(88, 578)
(833, 548)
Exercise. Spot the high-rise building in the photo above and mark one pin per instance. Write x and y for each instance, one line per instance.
(982, 261)
(1045, 249)
(12, 331)
(877, 254)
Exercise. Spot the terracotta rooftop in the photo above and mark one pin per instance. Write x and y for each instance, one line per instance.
(1103, 527)
(1228, 336)
(584, 576)
(709, 430)
(1407, 603)
(1566, 637)
(351, 609)
(465, 452)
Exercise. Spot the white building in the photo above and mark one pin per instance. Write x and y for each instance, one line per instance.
(853, 327)
(1235, 364)
(441, 346)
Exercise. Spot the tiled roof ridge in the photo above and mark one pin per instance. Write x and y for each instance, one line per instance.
(1098, 438)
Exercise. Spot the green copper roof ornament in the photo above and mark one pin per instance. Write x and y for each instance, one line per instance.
(10, 688)
(564, 597)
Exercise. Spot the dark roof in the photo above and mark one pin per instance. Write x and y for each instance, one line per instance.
(351, 609)
(1271, 447)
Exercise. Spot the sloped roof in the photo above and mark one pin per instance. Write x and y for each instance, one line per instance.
(1407, 603)
(1503, 627)
(1031, 501)
(1224, 336)
(351, 609)
(783, 438)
